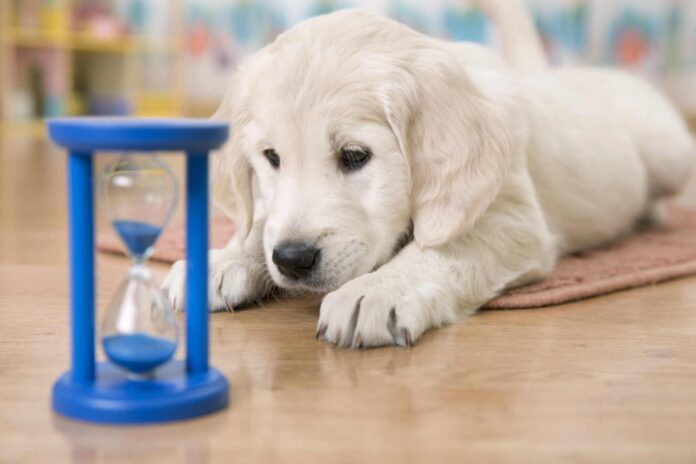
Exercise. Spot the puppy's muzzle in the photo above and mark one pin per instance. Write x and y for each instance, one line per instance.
(296, 260)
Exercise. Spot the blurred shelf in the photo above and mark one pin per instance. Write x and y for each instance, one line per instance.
(36, 38)
(150, 103)
(158, 45)
(86, 42)
(71, 48)
(23, 128)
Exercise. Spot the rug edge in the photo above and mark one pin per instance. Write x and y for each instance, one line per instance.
(580, 292)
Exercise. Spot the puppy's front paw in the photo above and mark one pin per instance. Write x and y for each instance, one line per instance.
(372, 310)
(231, 282)
(174, 283)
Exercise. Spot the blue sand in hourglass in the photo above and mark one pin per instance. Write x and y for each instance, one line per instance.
(138, 236)
(138, 353)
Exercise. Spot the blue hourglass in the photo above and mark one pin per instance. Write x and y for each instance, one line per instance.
(142, 380)
(139, 195)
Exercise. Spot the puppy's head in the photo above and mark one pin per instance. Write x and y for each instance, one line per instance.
(356, 134)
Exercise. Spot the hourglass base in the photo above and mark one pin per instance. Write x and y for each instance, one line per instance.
(170, 394)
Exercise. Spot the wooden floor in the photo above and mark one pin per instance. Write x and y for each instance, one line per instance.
(611, 379)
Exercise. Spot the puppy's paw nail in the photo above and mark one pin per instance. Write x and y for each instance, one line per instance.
(358, 342)
(321, 331)
(404, 338)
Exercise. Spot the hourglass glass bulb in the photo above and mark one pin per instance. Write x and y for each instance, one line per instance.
(139, 332)
(139, 195)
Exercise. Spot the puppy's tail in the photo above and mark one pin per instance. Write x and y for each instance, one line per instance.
(521, 42)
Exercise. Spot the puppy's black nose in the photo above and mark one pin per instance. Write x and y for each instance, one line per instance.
(295, 260)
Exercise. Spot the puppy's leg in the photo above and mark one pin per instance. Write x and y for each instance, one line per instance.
(421, 289)
(238, 274)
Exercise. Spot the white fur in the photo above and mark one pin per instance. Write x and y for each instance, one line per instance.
(499, 169)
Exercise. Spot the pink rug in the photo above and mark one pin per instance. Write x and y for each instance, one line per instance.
(644, 258)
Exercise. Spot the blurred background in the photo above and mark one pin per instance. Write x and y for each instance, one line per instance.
(174, 57)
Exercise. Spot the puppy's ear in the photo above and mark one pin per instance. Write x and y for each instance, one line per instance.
(231, 172)
(457, 140)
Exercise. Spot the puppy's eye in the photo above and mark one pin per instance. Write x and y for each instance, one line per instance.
(353, 158)
(272, 157)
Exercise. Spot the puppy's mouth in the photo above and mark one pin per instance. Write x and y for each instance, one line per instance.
(315, 282)
(323, 278)
(311, 285)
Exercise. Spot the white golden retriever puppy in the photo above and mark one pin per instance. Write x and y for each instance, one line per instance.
(414, 180)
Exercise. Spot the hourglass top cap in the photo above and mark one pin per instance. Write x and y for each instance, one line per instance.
(87, 134)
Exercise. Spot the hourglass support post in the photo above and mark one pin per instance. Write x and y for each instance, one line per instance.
(81, 236)
(197, 262)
